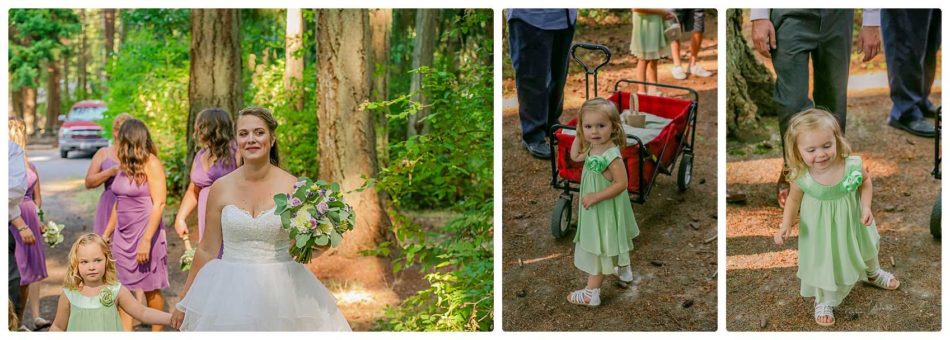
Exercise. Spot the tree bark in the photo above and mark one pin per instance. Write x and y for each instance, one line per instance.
(108, 23)
(381, 21)
(52, 97)
(422, 55)
(81, 59)
(215, 75)
(293, 71)
(66, 96)
(29, 108)
(346, 140)
(749, 84)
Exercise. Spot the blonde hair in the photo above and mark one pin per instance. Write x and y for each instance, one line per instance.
(73, 279)
(18, 133)
(118, 120)
(608, 108)
(135, 147)
(810, 120)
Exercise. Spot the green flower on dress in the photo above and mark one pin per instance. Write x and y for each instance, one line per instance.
(106, 298)
(596, 163)
(852, 181)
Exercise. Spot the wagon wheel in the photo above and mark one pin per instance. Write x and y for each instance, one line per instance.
(685, 172)
(935, 219)
(561, 217)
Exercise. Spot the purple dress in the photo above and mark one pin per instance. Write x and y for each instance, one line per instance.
(203, 180)
(133, 207)
(107, 199)
(30, 259)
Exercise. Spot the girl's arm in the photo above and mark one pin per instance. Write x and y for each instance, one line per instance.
(865, 191)
(156, 188)
(619, 184)
(141, 312)
(577, 154)
(792, 205)
(188, 203)
(110, 226)
(94, 176)
(208, 247)
(62, 314)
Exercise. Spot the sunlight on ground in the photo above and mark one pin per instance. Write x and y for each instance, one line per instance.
(64, 185)
(777, 259)
(351, 297)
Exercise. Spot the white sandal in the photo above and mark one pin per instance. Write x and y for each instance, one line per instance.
(591, 296)
(824, 310)
(625, 275)
(882, 279)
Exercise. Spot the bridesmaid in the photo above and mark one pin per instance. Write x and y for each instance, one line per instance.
(27, 232)
(135, 227)
(101, 170)
(218, 156)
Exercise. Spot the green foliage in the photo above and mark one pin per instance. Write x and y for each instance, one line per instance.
(161, 23)
(36, 37)
(454, 160)
(297, 136)
(149, 80)
(457, 260)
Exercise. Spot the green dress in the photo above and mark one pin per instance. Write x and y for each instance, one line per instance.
(605, 232)
(835, 249)
(648, 41)
(88, 313)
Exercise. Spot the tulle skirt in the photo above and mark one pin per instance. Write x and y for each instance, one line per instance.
(275, 296)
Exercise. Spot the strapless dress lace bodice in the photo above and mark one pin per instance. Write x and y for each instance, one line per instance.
(254, 239)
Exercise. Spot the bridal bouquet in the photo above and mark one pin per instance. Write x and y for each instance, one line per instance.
(54, 234)
(314, 215)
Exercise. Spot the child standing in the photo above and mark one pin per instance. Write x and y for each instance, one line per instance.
(605, 223)
(649, 45)
(831, 193)
(92, 292)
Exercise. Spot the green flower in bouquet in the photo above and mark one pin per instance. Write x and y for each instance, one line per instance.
(54, 234)
(186, 259)
(315, 215)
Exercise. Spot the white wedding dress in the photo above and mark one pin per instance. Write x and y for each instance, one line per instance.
(256, 285)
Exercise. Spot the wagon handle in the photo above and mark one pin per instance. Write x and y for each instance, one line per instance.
(692, 92)
(587, 69)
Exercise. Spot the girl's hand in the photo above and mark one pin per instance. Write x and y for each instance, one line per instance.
(143, 251)
(177, 318)
(866, 217)
(113, 171)
(27, 235)
(781, 235)
(588, 200)
(181, 228)
(670, 15)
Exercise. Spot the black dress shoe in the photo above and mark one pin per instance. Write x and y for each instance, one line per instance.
(538, 150)
(918, 127)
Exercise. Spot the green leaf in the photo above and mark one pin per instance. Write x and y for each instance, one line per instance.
(335, 239)
(302, 240)
(322, 240)
(281, 203)
(335, 187)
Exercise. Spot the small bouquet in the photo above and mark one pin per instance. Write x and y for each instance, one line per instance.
(314, 215)
(187, 258)
(54, 234)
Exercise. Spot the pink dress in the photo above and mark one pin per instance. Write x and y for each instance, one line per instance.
(30, 259)
(133, 207)
(203, 180)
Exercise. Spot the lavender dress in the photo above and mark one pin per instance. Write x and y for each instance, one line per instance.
(30, 259)
(107, 199)
(203, 180)
(133, 207)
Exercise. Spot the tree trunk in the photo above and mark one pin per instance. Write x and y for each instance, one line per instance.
(66, 96)
(29, 108)
(347, 142)
(215, 76)
(52, 97)
(123, 28)
(81, 59)
(381, 21)
(293, 71)
(108, 23)
(16, 100)
(451, 45)
(749, 84)
(422, 56)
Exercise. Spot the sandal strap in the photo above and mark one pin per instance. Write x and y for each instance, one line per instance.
(823, 310)
(882, 278)
(582, 296)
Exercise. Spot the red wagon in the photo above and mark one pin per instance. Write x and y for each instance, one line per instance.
(649, 151)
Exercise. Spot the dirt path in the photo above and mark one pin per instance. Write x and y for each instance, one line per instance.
(762, 287)
(538, 270)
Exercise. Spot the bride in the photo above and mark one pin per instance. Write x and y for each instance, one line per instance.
(256, 285)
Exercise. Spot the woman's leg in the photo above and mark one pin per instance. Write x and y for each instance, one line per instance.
(156, 301)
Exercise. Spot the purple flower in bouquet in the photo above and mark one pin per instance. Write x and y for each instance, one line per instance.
(299, 184)
(313, 223)
(294, 202)
(323, 207)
